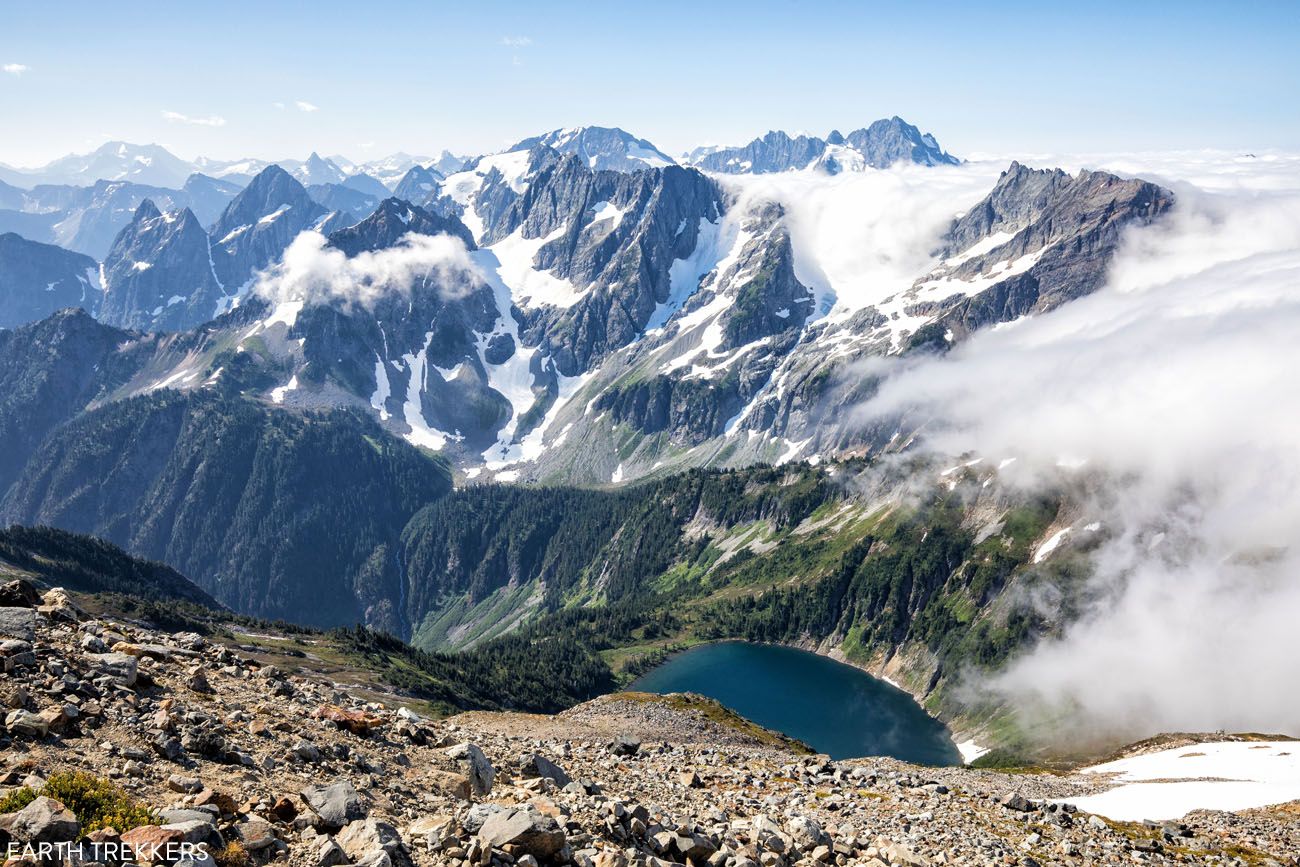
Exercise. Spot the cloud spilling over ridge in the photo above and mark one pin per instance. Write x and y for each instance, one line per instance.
(859, 237)
(313, 272)
(1177, 387)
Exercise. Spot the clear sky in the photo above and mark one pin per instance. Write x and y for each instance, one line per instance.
(279, 79)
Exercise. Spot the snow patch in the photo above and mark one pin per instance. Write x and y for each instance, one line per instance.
(1213, 776)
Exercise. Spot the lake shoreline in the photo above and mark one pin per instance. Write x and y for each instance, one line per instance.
(840, 708)
(968, 746)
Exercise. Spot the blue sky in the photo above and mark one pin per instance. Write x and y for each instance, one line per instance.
(382, 76)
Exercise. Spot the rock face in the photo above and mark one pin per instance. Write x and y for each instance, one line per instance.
(159, 275)
(259, 224)
(38, 279)
(418, 185)
(878, 146)
(1051, 234)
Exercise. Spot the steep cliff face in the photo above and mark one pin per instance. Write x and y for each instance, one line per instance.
(260, 224)
(160, 275)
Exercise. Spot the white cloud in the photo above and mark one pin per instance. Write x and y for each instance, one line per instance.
(15, 68)
(303, 105)
(1176, 384)
(210, 120)
(313, 272)
(516, 41)
(278, 105)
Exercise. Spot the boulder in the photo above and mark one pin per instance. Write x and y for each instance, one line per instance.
(122, 668)
(150, 842)
(358, 722)
(476, 766)
(307, 751)
(451, 784)
(364, 840)
(44, 820)
(184, 785)
(806, 833)
(336, 804)
(19, 594)
(56, 604)
(255, 834)
(625, 745)
(540, 767)
(193, 831)
(26, 724)
(19, 623)
(1018, 802)
(432, 831)
(526, 828)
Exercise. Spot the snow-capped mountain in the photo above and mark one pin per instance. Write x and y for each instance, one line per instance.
(87, 219)
(418, 184)
(160, 275)
(588, 323)
(877, 146)
(259, 224)
(316, 170)
(113, 161)
(592, 325)
(602, 148)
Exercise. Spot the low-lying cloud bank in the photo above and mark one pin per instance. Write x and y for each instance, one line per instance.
(315, 273)
(1178, 385)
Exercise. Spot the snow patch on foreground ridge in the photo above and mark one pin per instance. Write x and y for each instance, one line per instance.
(1213, 776)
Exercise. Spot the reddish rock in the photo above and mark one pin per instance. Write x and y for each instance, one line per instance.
(356, 721)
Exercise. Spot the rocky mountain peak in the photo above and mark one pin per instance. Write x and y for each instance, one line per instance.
(147, 210)
(391, 221)
(602, 148)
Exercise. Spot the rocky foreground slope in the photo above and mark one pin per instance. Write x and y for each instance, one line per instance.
(212, 745)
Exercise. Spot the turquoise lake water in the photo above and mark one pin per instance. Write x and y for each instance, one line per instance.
(834, 708)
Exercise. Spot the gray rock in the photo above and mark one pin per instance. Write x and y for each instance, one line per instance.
(1018, 802)
(183, 815)
(307, 751)
(534, 833)
(184, 785)
(195, 830)
(540, 767)
(19, 623)
(26, 724)
(476, 766)
(625, 745)
(336, 804)
(44, 820)
(123, 668)
(255, 834)
(364, 840)
(806, 833)
(478, 816)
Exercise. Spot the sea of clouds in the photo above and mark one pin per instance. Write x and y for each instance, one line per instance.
(1178, 387)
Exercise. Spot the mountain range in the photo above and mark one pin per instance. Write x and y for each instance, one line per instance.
(293, 388)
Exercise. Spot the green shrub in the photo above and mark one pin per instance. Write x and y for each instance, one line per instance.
(96, 802)
(16, 800)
